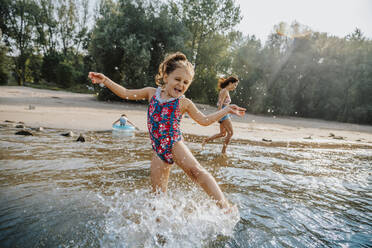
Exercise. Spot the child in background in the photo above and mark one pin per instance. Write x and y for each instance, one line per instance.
(224, 99)
(167, 105)
(123, 121)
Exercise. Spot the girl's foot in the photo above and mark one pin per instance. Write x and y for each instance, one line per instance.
(227, 207)
(232, 208)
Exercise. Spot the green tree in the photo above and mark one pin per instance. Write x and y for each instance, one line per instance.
(62, 36)
(319, 76)
(205, 18)
(215, 61)
(4, 65)
(47, 31)
(67, 20)
(357, 103)
(209, 23)
(247, 64)
(18, 20)
(131, 38)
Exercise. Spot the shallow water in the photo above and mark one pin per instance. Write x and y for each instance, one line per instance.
(55, 192)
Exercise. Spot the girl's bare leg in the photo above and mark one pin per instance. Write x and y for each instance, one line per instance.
(222, 133)
(184, 159)
(228, 126)
(159, 173)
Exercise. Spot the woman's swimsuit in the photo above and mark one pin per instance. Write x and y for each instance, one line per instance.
(163, 122)
(226, 102)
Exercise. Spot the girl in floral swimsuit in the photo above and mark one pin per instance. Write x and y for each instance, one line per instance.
(167, 105)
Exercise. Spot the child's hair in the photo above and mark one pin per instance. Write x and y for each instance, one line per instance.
(124, 115)
(223, 82)
(171, 63)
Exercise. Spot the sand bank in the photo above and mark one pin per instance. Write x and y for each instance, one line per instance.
(83, 112)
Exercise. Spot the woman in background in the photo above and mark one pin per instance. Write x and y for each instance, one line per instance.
(224, 100)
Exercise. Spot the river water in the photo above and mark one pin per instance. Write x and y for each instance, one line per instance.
(55, 192)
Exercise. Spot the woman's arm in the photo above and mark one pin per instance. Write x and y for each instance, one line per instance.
(206, 120)
(120, 91)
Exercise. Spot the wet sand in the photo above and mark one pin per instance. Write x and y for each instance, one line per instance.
(83, 112)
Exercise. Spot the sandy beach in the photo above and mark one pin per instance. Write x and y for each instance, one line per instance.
(83, 112)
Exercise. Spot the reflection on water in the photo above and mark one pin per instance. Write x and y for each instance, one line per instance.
(55, 192)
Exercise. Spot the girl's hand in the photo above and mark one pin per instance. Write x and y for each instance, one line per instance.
(97, 78)
(234, 109)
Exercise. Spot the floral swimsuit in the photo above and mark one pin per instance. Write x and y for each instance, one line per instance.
(163, 122)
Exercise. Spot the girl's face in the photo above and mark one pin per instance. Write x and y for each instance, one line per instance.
(177, 82)
(232, 86)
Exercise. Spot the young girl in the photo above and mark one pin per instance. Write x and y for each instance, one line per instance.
(167, 104)
(226, 129)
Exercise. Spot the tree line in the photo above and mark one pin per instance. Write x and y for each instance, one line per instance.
(57, 42)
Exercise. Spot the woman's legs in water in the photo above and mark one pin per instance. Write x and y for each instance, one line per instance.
(229, 129)
(184, 159)
(222, 133)
(159, 173)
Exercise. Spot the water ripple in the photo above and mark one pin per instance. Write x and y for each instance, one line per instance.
(56, 192)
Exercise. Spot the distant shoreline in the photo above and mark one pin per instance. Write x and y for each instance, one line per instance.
(83, 112)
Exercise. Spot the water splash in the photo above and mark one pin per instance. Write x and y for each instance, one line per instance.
(179, 219)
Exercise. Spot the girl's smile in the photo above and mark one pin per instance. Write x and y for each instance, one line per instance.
(177, 82)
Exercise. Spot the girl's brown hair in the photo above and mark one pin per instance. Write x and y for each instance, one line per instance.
(171, 63)
(223, 82)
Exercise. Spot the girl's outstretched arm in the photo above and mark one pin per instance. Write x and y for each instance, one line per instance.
(120, 91)
(206, 120)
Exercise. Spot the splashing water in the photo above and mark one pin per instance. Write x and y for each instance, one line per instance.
(178, 219)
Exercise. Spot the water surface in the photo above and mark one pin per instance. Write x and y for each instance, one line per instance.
(55, 192)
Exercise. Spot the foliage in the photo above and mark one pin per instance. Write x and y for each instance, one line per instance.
(50, 43)
(18, 21)
(209, 22)
(4, 65)
(131, 38)
(319, 77)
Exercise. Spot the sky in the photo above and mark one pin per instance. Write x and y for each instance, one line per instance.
(336, 17)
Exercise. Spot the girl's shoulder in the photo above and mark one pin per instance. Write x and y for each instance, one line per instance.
(151, 91)
(185, 103)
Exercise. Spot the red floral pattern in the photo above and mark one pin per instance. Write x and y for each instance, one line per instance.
(163, 122)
